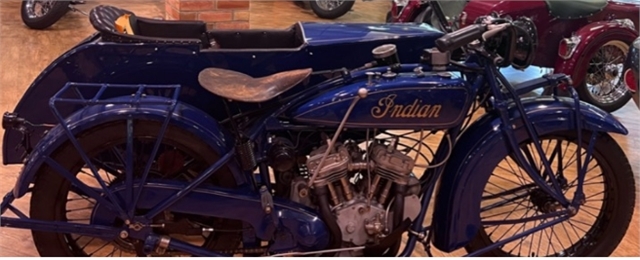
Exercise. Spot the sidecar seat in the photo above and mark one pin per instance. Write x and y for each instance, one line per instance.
(119, 25)
(575, 9)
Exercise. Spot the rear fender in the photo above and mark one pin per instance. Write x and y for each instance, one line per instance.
(185, 116)
(457, 207)
(587, 41)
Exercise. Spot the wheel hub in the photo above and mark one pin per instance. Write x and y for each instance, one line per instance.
(603, 77)
(44, 7)
(543, 202)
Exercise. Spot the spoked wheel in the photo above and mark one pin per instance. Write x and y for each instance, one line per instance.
(40, 14)
(511, 198)
(331, 9)
(604, 85)
(181, 157)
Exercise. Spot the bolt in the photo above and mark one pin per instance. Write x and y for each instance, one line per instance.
(124, 234)
(304, 193)
(137, 227)
(351, 228)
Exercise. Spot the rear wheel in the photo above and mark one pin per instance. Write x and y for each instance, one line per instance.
(181, 157)
(510, 196)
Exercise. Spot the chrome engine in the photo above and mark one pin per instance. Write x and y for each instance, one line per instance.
(360, 190)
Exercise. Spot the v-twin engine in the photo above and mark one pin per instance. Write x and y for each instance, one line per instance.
(368, 193)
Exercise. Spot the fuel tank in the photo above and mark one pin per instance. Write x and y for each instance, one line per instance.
(401, 101)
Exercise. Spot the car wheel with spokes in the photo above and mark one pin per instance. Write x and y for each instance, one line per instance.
(603, 85)
(41, 14)
(181, 157)
(511, 198)
(331, 9)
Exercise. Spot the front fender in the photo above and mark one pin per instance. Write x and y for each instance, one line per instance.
(184, 116)
(457, 208)
(589, 39)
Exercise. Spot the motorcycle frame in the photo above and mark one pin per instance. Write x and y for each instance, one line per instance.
(250, 199)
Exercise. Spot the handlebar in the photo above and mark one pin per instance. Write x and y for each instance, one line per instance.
(464, 36)
(459, 38)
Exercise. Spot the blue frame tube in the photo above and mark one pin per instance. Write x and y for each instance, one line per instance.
(516, 237)
(180, 194)
(61, 227)
(501, 105)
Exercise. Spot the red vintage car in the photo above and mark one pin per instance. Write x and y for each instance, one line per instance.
(587, 39)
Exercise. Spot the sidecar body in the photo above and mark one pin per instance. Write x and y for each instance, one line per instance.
(174, 52)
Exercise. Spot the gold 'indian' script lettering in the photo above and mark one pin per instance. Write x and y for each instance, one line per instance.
(388, 108)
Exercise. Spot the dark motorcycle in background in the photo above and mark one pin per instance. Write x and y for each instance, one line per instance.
(39, 14)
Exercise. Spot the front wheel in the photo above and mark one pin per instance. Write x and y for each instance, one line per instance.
(510, 197)
(41, 14)
(331, 9)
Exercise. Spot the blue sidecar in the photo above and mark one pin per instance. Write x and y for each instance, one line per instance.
(174, 52)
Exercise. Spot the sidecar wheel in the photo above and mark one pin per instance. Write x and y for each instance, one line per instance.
(600, 223)
(50, 13)
(331, 9)
(603, 85)
(54, 198)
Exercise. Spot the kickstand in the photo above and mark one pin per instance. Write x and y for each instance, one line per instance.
(79, 11)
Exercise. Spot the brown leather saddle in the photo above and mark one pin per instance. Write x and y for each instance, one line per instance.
(241, 87)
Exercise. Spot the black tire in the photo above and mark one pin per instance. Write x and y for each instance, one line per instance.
(585, 93)
(339, 11)
(611, 223)
(50, 190)
(57, 11)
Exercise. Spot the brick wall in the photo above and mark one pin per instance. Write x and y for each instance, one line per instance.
(218, 14)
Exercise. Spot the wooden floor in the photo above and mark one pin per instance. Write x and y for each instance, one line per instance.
(24, 53)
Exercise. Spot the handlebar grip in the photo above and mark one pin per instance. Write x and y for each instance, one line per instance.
(459, 38)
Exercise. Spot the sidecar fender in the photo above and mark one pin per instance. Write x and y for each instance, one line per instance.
(184, 116)
(586, 41)
(457, 206)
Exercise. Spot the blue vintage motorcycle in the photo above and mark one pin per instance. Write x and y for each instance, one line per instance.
(329, 169)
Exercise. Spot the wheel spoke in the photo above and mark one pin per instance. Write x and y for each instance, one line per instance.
(506, 209)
